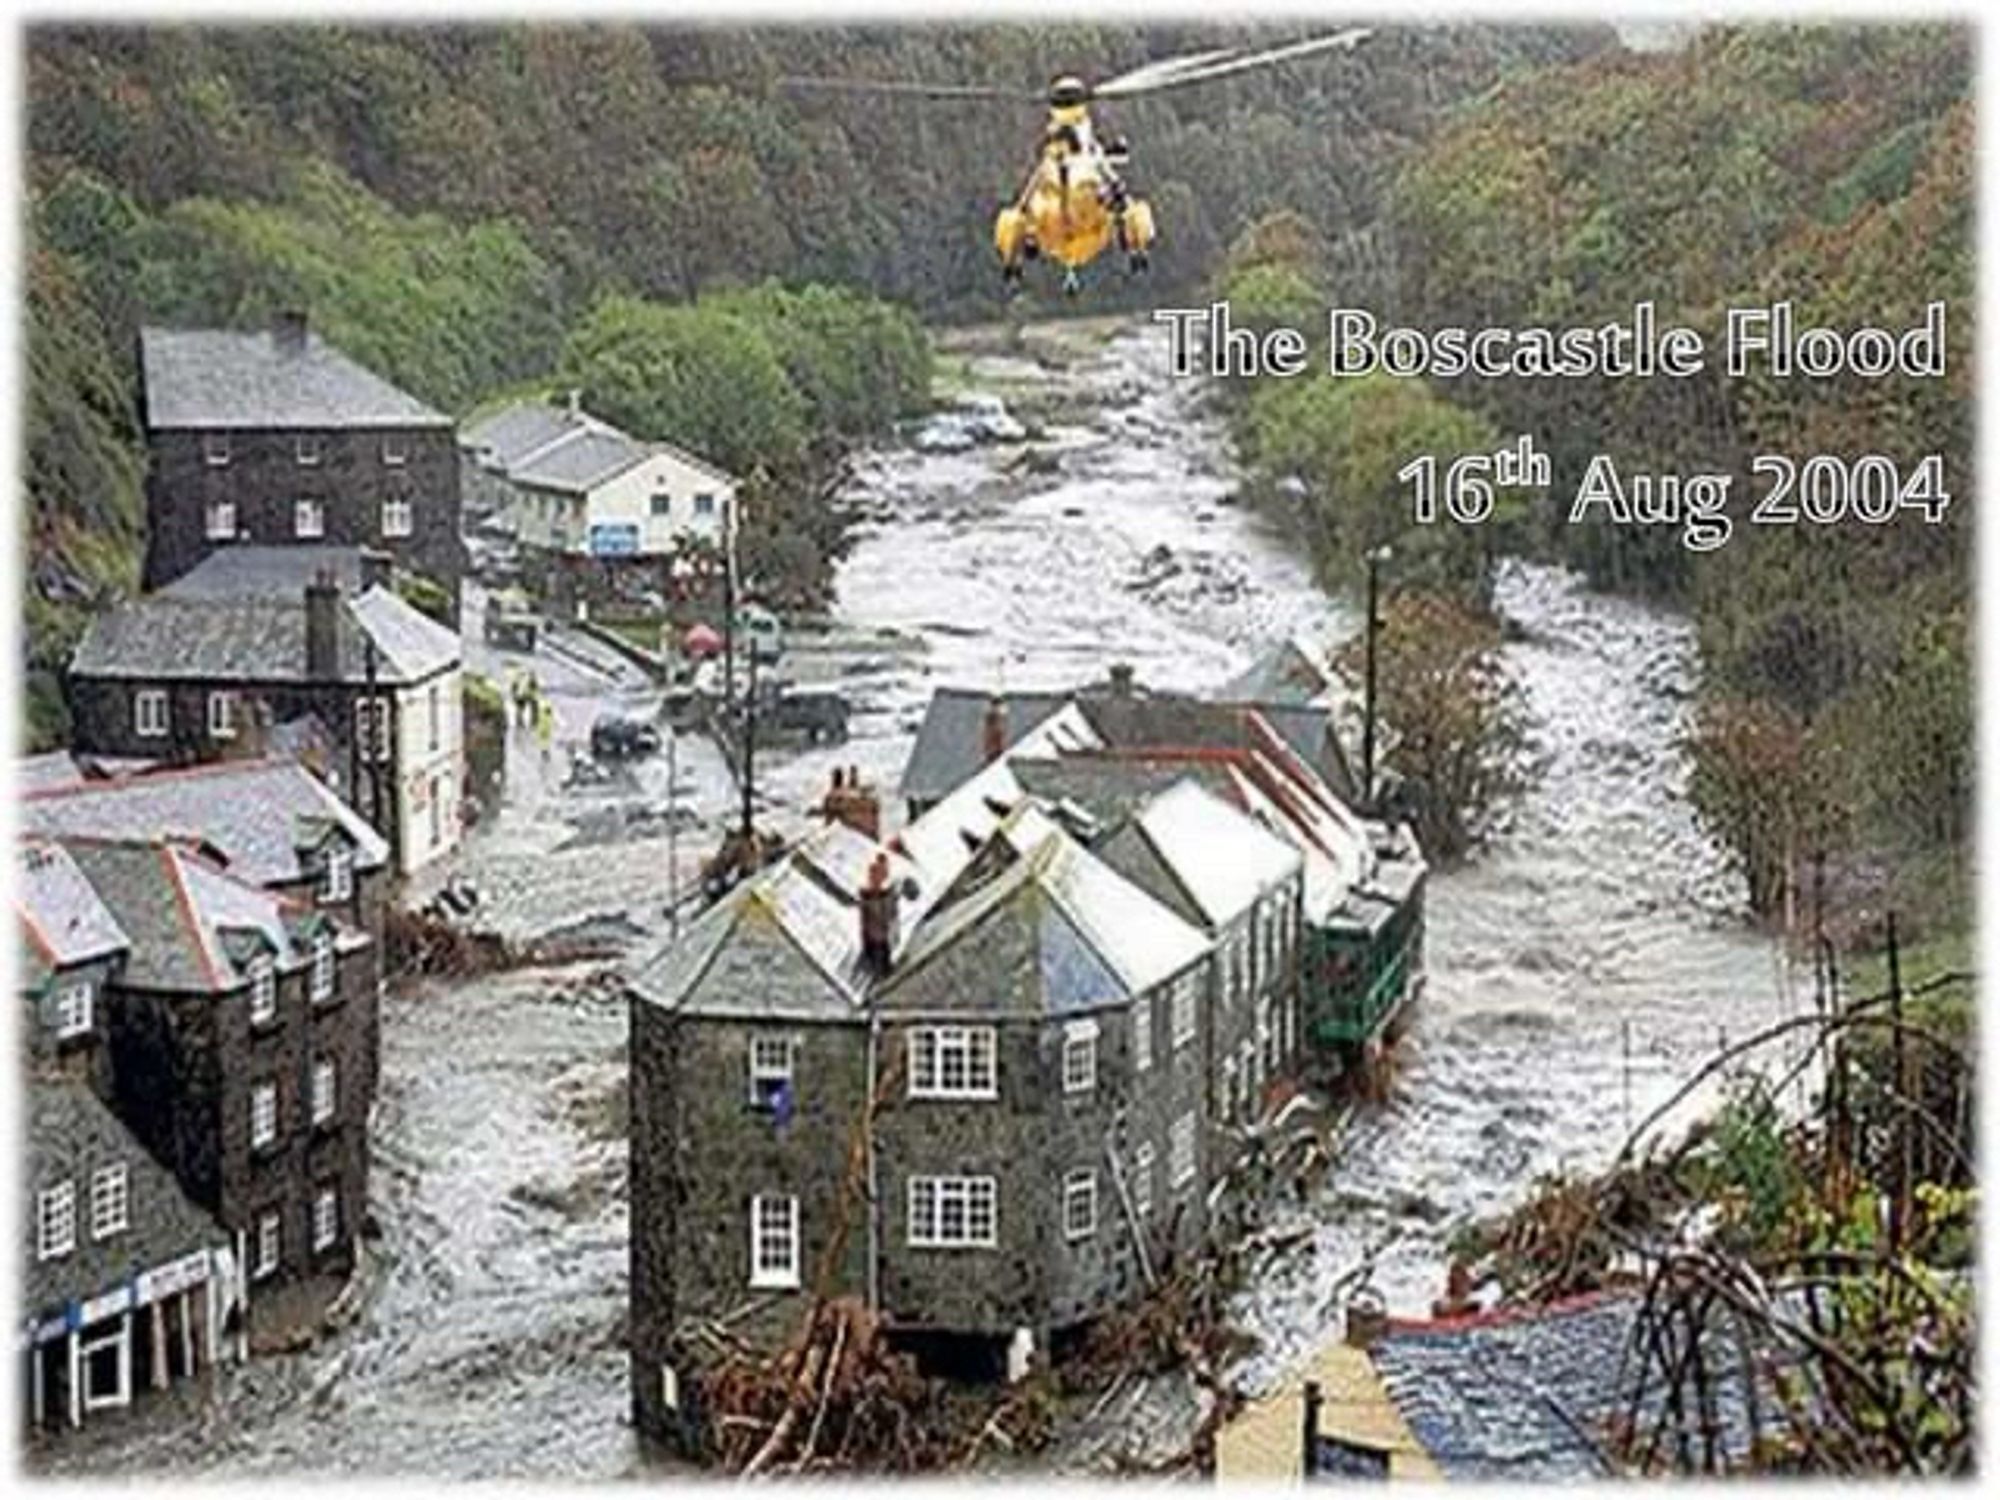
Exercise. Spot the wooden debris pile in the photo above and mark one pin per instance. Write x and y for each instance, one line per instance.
(837, 1396)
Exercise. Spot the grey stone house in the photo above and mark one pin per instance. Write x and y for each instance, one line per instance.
(127, 1284)
(221, 662)
(231, 1029)
(973, 1095)
(277, 438)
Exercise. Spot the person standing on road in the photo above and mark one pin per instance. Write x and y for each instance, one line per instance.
(545, 725)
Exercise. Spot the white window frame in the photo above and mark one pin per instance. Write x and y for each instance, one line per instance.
(325, 1090)
(322, 976)
(1182, 1166)
(395, 451)
(931, 1048)
(308, 507)
(399, 516)
(270, 1245)
(76, 1009)
(1186, 1006)
(55, 1221)
(263, 990)
(1142, 1033)
(1079, 1060)
(976, 1201)
(1142, 1179)
(325, 1218)
(337, 875)
(1079, 1204)
(780, 1232)
(263, 1115)
(772, 1060)
(218, 520)
(149, 713)
(110, 1200)
(308, 450)
(222, 714)
(215, 449)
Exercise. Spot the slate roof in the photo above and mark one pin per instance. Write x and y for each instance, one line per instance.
(70, 1134)
(166, 637)
(951, 742)
(186, 919)
(786, 943)
(260, 814)
(64, 920)
(218, 378)
(55, 768)
(1527, 1395)
(579, 461)
(1098, 938)
(510, 434)
(1288, 673)
(241, 571)
(1222, 858)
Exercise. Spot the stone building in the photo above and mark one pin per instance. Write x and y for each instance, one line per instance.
(232, 1030)
(972, 1092)
(127, 1283)
(222, 661)
(276, 438)
(1360, 949)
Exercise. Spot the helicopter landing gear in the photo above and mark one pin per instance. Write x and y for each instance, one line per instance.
(1138, 262)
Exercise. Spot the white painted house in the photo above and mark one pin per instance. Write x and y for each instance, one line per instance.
(573, 484)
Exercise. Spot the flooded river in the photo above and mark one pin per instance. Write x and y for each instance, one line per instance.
(1578, 969)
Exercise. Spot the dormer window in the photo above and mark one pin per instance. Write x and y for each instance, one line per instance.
(215, 450)
(337, 879)
(308, 450)
(75, 1010)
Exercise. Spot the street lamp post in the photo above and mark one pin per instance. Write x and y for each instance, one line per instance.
(1375, 558)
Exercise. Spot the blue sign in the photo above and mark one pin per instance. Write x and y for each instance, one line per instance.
(614, 538)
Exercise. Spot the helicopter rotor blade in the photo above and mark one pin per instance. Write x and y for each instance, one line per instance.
(1151, 75)
(1202, 67)
(908, 87)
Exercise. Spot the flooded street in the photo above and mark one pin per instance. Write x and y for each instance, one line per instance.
(489, 1342)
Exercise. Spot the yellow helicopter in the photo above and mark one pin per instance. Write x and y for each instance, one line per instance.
(1074, 204)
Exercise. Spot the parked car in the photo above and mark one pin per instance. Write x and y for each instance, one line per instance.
(616, 738)
(815, 714)
(512, 622)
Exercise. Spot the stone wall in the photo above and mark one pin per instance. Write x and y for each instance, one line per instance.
(265, 480)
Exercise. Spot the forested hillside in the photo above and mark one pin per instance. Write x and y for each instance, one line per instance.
(1828, 166)
(476, 209)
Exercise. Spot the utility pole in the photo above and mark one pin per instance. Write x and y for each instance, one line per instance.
(749, 749)
(673, 834)
(1376, 557)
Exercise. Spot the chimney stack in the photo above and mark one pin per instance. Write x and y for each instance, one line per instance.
(993, 729)
(376, 566)
(878, 918)
(849, 801)
(290, 327)
(1121, 679)
(323, 628)
(1367, 1318)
